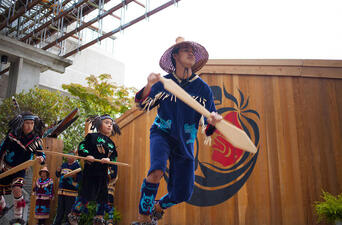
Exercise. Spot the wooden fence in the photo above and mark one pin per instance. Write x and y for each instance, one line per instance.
(292, 109)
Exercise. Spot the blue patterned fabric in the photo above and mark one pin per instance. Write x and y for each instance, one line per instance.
(174, 117)
(67, 184)
(148, 194)
(172, 137)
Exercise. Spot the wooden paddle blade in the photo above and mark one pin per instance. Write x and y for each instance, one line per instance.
(61, 125)
(71, 173)
(18, 168)
(237, 137)
(64, 127)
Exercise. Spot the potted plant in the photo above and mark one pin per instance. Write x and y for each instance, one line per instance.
(330, 209)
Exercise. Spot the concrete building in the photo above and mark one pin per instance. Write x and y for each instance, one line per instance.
(25, 65)
(88, 62)
(94, 60)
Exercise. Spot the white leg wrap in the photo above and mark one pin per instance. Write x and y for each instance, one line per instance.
(19, 205)
(2, 202)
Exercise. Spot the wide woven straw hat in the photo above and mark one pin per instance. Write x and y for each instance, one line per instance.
(201, 55)
(44, 168)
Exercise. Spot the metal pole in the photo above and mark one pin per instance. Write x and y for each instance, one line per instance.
(167, 4)
(56, 18)
(84, 25)
(20, 12)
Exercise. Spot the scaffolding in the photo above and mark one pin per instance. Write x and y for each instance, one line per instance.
(48, 24)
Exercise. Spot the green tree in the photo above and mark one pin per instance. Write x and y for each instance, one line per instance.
(50, 106)
(101, 96)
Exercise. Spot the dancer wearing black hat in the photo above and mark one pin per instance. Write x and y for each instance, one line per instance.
(19, 146)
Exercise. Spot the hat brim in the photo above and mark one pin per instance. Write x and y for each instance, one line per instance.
(200, 53)
(44, 170)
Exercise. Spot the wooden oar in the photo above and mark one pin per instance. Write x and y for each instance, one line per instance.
(73, 172)
(19, 167)
(234, 135)
(84, 158)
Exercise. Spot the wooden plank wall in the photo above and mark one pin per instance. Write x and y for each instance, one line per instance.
(300, 108)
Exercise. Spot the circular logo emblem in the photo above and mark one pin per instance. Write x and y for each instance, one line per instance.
(222, 171)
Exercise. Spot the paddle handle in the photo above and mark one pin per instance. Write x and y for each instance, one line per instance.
(71, 173)
(20, 167)
(84, 158)
(179, 92)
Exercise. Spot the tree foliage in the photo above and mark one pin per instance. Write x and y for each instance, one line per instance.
(101, 96)
(50, 106)
(89, 217)
(330, 209)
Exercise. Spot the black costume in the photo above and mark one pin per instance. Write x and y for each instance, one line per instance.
(16, 149)
(94, 179)
(13, 152)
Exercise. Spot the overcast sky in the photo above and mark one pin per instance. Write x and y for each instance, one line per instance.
(234, 29)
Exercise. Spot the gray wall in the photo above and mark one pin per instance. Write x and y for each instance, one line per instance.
(88, 62)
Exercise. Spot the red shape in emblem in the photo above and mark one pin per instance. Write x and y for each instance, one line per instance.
(224, 152)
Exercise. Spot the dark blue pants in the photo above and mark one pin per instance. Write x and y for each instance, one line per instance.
(182, 170)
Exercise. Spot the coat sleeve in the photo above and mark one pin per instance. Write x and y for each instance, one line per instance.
(58, 173)
(3, 145)
(51, 188)
(84, 146)
(210, 106)
(156, 95)
(41, 154)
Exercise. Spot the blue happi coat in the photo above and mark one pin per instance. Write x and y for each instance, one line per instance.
(174, 117)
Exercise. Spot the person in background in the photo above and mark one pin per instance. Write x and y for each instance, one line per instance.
(43, 192)
(20, 144)
(94, 179)
(67, 189)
